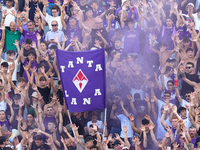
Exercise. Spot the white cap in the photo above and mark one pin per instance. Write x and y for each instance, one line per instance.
(123, 1)
(190, 4)
(34, 94)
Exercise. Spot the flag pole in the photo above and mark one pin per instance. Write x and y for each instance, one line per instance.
(104, 129)
(70, 120)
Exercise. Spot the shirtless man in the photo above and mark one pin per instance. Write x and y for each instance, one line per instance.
(163, 53)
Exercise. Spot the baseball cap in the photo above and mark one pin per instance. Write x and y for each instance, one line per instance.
(190, 4)
(17, 97)
(34, 94)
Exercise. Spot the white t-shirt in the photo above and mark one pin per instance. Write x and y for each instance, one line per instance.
(125, 122)
(183, 105)
(99, 123)
(9, 18)
(197, 21)
(49, 19)
(160, 129)
(166, 79)
(14, 75)
(3, 105)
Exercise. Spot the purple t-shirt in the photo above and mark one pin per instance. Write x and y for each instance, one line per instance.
(131, 41)
(47, 119)
(31, 35)
(6, 123)
(33, 64)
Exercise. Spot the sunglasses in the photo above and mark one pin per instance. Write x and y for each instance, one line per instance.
(54, 25)
(187, 95)
(166, 96)
(188, 67)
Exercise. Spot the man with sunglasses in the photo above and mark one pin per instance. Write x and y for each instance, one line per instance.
(192, 76)
(53, 34)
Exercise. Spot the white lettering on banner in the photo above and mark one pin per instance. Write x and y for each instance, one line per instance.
(86, 100)
(97, 92)
(62, 68)
(79, 60)
(90, 62)
(73, 102)
(98, 67)
(70, 65)
(66, 95)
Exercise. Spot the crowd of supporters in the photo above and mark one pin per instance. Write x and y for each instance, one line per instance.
(152, 50)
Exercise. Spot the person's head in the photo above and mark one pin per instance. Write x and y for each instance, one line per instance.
(51, 125)
(131, 58)
(189, 67)
(31, 55)
(34, 96)
(49, 111)
(198, 12)
(115, 56)
(131, 24)
(67, 140)
(126, 3)
(35, 1)
(3, 141)
(83, 2)
(198, 142)
(145, 123)
(94, 117)
(190, 6)
(43, 45)
(36, 19)
(171, 62)
(169, 71)
(23, 15)
(98, 23)
(4, 67)
(54, 25)
(192, 131)
(41, 66)
(89, 141)
(94, 147)
(21, 82)
(12, 26)
(94, 4)
(174, 122)
(190, 52)
(89, 12)
(11, 55)
(52, 49)
(74, 11)
(2, 115)
(43, 81)
(186, 42)
(72, 22)
(169, 22)
(182, 112)
(117, 145)
(54, 11)
(118, 43)
(5, 132)
(9, 3)
(28, 44)
(17, 98)
(187, 96)
(30, 117)
(38, 140)
(31, 26)
(170, 85)
(166, 96)
(137, 97)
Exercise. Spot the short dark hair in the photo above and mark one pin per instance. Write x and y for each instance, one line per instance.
(4, 64)
(170, 81)
(168, 69)
(186, 39)
(21, 79)
(31, 22)
(53, 47)
(41, 65)
(181, 109)
(189, 49)
(167, 92)
(55, 7)
(32, 52)
(145, 121)
(11, 52)
(2, 139)
(190, 63)
(44, 43)
(42, 78)
(198, 10)
(28, 41)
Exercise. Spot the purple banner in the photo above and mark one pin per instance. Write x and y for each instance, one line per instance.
(83, 79)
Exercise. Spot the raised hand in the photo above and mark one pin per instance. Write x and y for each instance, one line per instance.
(131, 118)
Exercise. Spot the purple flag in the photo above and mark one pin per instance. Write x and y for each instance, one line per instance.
(83, 79)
